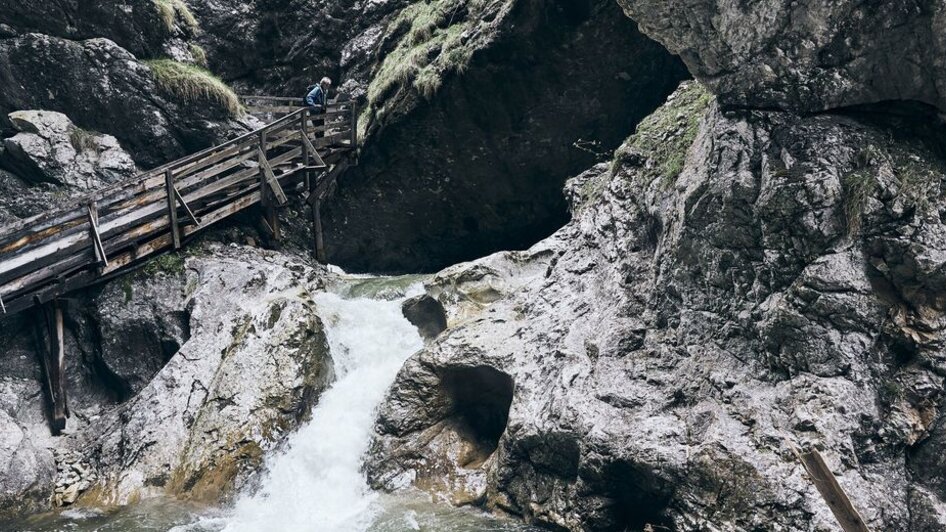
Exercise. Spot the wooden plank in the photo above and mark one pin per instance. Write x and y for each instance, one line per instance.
(312, 153)
(172, 208)
(96, 236)
(831, 491)
(270, 178)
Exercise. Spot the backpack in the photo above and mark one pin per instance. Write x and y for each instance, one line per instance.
(306, 95)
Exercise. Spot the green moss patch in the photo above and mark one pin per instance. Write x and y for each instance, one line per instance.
(665, 136)
(82, 139)
(194, 85)
(172, 11)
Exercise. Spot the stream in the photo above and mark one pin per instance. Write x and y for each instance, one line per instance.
(314, 483)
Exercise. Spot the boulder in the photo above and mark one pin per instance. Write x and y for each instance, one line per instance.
(26, 472)
(732, 287)
(199, 428)
(50, 148)
(427, 314)
(805, 56)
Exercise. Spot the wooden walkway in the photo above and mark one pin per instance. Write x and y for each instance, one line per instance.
(111, 230)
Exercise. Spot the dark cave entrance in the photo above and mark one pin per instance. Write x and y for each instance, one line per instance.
(479, 399)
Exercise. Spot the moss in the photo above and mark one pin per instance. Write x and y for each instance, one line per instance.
(194, 85)
(431, 39)
(172, 11)
(665, 136)
(199, 55)
(171, 263)
(82, 140)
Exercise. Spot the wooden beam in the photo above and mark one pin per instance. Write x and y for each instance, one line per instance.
(831, 491)
(96, 236)
(317, 228)
(270, 178)
(310, 150)
(187, 209)
(54, 358)
(172, 208)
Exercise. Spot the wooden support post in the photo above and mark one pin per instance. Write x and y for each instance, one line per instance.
(54, 358)
(97, 246)
(831, 491)
(304, 132)
(2, 306)
(172, 207)
(268, 193)
(317, 228)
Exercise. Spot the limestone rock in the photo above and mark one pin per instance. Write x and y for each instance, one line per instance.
(427, 314)
(732, 286)
(804, 56)
(49, 147)
(200, 426)
(26, 472)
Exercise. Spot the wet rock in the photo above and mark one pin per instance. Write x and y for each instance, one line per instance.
(732, 286)
(804, 56)
(49, 147)
(427, 314)
(199, 427)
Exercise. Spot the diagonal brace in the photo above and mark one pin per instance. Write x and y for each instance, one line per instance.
(93, 214)
(316, 161)
(270, 178)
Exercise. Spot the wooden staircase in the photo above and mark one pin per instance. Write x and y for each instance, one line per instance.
(112, 230)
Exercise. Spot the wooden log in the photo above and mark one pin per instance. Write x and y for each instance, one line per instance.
(831, 491)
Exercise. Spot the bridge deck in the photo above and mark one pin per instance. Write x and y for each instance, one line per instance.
(113, 229)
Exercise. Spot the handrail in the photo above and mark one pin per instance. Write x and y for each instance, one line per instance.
(137, 217)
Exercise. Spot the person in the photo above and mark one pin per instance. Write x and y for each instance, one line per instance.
(318, 96)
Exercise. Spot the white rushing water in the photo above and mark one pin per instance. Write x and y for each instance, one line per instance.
(316, 484)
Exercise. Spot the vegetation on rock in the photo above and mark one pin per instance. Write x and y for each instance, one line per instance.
(195, 85)
(172, 11)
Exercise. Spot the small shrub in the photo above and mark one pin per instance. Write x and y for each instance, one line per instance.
(173, 10)
(82, 140)
(194, 85)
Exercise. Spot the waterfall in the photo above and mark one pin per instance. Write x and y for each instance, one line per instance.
(316, 483)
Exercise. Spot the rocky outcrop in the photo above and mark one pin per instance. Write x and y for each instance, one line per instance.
(43, 72)
(531, 92)
(26, 471)
(50, 148)
(734, 286)
(804, 56)
(200, 427)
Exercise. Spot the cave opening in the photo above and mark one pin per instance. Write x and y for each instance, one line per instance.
(479, 399)
(638, 496)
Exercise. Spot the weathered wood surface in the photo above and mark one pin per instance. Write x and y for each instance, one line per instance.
(834, 496)
(104, 233)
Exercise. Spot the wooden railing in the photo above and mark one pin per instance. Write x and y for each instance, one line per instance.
(105, 233)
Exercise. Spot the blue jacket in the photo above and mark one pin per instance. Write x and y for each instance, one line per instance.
(316, 97)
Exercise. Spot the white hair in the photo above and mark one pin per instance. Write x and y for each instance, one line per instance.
(326, 81)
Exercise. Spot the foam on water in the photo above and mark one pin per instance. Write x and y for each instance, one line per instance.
(316, 483)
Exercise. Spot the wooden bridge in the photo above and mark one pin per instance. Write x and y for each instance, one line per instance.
(111, 231)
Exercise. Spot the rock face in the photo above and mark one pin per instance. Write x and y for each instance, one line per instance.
(530, 91)
(201, 426)
(732, 287)
(50, 148)
(26, 472)
(804, 56)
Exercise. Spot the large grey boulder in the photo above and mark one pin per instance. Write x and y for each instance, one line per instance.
(731, 288)
(49, 147)
(200, 427)
(804, 56)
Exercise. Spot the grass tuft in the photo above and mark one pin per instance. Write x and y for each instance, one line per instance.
(858, 187)
(199, 55)
(172, 11)
(194, 85)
